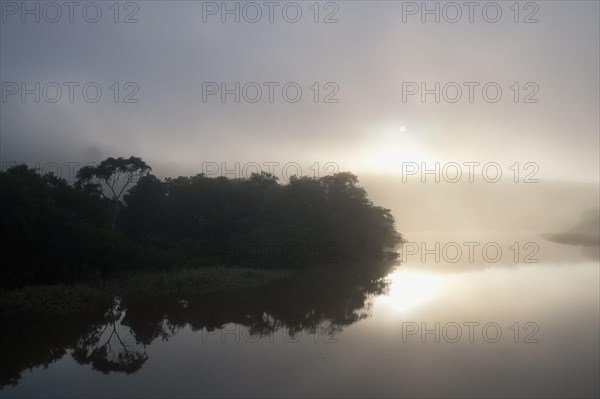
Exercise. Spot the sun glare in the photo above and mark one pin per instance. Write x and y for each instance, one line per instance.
(411, 289)
(390, 148)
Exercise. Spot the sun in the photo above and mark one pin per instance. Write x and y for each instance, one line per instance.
(390, 147)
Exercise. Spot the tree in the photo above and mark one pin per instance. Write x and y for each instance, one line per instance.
(59, 233)
(263, 177)
(116, 174)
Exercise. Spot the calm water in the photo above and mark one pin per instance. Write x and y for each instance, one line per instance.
(509, 328)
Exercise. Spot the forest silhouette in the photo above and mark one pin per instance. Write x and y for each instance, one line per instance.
(118, 217)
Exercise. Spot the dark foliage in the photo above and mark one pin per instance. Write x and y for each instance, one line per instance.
(54, 232)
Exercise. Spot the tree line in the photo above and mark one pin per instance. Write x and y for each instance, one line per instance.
(118, 217)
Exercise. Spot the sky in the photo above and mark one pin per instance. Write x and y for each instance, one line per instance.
(361, 67)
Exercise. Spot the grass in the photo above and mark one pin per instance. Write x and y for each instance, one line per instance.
(64, 299)
(196, 281)
(53, 299)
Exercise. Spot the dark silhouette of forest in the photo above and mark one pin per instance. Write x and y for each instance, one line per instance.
(118, 217)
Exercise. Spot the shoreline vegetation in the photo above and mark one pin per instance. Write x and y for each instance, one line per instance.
(119, 230)
(582, 239)
(586, 233)
(62, 299)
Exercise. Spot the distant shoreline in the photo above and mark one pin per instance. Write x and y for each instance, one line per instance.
(574, 238)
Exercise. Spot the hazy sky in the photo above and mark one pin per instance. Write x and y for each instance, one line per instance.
(365, 57)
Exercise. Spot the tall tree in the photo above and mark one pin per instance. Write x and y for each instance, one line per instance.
(115, 174)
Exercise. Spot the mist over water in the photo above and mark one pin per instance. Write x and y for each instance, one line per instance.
(541, 207)
(436, 163)
(420, 328)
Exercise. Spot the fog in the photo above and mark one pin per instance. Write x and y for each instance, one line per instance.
(474, 124)
(365, 65)
(546, 206)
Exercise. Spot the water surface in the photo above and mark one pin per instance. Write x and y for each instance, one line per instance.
(526, 324)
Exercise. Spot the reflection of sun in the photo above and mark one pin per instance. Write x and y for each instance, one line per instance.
(410, 289)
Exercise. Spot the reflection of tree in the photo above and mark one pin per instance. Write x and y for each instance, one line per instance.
(23, 346)
(107, 349)
(320, 301)
(326, 300)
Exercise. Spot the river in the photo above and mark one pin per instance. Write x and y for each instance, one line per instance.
(474, 315)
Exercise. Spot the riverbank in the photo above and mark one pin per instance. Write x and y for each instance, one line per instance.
(65, 299)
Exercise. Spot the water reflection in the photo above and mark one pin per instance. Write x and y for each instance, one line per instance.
(314, 301)
(111, 347)
(411, 289)
(189, 346)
